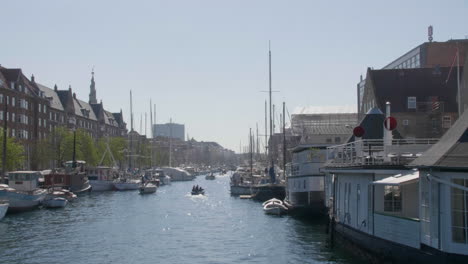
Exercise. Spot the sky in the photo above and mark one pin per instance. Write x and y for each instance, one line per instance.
(205, 63)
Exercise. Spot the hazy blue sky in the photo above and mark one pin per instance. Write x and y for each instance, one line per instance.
(204, 63)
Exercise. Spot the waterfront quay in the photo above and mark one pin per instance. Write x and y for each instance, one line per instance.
(169, 227)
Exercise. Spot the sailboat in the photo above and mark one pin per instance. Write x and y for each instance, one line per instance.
(101, 177)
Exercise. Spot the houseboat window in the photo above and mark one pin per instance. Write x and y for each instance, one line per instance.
(392, 199)
(460, 212)
(446, 122)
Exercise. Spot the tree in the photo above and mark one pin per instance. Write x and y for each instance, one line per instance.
(15, 155)
(117, 146)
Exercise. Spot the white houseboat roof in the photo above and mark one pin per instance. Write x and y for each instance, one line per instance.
(452, 149)
(399, 179)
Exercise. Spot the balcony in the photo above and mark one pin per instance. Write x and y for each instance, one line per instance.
(375, 152)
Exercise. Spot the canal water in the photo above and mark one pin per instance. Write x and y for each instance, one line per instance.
(170, 226)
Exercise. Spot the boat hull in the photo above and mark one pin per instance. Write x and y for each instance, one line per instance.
(266, 192)
(3, 210)
(126, 186)
(101, 186)
(240, 190)
(19, 201)
(149, 188)
(55, 202)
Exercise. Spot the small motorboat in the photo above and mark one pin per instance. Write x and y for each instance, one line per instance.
(56, 202)
(3, 208)
(210, 176)
(62, 193)
(148, 188)
(274, 207)
(196, 190)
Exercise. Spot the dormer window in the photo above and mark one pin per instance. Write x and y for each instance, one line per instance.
(411, 102)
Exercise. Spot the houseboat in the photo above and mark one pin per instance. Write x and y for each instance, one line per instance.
(22, 193)
(379, 200)
(305, 190)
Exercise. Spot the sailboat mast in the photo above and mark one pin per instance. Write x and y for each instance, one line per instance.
(170, 143)
(251, 154)
(284, 140)
(266, 130)
(130, 153)
(269, 84)
(152, 136)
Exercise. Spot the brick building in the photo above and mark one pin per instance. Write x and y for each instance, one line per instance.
(34, 110)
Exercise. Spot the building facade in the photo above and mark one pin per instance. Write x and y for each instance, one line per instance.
(169, 130)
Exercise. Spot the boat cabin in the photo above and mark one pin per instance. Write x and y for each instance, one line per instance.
(102, 173)
(24, 180)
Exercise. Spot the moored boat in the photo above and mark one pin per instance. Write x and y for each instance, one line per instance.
(274, 207)
(102, 178)
(148, 187)
(126, 184)
(22, 193)
(210, 176)
(55, 202)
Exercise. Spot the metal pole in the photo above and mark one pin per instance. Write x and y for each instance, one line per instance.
(266, 131)
(74, 149)
(284, 140)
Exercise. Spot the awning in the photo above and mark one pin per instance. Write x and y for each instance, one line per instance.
(399, 179)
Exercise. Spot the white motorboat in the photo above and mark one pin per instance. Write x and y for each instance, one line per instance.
(148, 188)
(55, 202)
(3, 209)
(22, 194)
(126, 185)
(62, 193)
(102, 178)
(274, 207)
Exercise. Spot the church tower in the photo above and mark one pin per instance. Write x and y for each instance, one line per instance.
(92, 93)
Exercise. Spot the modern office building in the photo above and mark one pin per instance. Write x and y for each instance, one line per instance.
(169, 130)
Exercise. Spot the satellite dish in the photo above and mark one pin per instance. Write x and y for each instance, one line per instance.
(359, 131)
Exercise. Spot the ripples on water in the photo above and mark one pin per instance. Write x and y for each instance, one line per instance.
(169, 227)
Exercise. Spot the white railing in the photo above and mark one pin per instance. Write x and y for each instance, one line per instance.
(375, 152)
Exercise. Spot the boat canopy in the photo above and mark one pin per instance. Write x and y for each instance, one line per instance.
(399, 179)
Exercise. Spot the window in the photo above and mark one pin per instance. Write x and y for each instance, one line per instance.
(39, 108)
(446, 121)
(13, 117)
(45, 123)
(392, 199)
(459, 212)
(13, 133)
(1, 115)
(337, 139)
(45, 109)
(1, 98)
(12, 85)
(7, 99)
(13, 101)
(411, 102)
(405, 122)
(329, 140)
(40, 122)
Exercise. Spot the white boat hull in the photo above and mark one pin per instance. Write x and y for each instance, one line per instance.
(20, 201)
(126, 186)
(3, 209)
(148, 188)
(55, 202)
(275, 208)
(101, 186)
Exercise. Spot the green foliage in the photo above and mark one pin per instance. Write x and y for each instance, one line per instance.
(117, 146)
(15, 154)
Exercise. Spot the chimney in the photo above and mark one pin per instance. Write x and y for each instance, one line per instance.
(74, 95)
(69, 88)
(388, 136)
(55, 87)
(32, 78)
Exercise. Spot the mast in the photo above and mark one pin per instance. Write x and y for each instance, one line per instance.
(257, 150)
(152, 135)
(269, 84)
(284, 140)
(130, 153)
(251, 154)
(4, 142)
(266, 131)
(170, 143)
